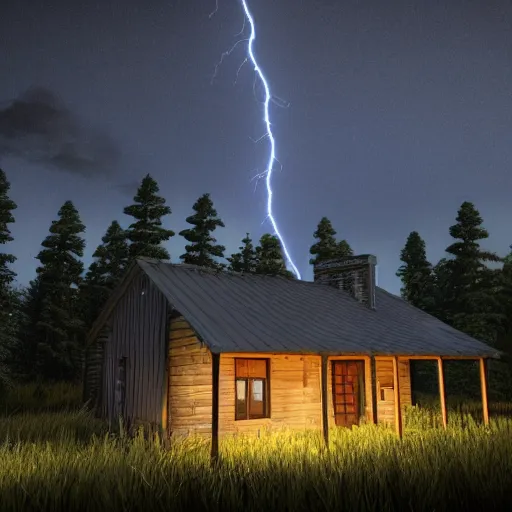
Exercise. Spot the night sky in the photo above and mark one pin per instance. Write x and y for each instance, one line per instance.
(399, 111)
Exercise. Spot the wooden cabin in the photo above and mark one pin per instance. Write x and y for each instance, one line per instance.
(195, 350)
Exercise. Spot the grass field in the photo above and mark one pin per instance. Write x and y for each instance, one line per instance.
(61, 458)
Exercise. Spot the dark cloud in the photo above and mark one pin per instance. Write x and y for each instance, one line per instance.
(38, 127)
(129, 188)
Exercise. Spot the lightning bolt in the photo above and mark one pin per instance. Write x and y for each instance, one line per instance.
(267, 174)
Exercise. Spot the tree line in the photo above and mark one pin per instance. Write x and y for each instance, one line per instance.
(43, 326)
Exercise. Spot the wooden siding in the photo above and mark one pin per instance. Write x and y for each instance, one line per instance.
(295, 388)
(190, 382)
(295, 397)
(139, 334)
(385, 387)
(404, 371)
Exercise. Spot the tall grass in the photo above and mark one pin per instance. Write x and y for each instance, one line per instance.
(367, 468)
(68, 461)
(35, 397)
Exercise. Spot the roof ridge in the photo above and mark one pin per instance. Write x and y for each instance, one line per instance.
(253, 275)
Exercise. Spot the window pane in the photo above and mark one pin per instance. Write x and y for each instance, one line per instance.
(241, 368)
(257, 368)
(240, 390)
(251, 368)
(241, 400)
(257, 390)
(257, 398)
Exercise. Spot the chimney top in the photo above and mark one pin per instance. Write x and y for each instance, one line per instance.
(355, 274)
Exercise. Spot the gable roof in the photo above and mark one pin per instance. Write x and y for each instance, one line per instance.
(233, 312)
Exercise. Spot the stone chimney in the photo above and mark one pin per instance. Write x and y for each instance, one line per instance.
(355, 274)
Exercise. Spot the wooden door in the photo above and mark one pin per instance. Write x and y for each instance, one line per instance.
(348, 392)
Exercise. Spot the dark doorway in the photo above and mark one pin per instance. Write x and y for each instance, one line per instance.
(348, 392)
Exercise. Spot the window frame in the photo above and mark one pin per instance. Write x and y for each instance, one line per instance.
(249, 383)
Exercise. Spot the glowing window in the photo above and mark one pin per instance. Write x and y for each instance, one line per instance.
(252, 389)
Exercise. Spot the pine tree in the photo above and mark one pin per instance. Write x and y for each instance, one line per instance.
(343, 250)
(58, 325)
(416, 274)
(8, 308)
(505, 338)
(245, 259)
(112, 257)
(146, 234)
(470, 300)
(270, 258)
(441, 282)
(326, 247)
(26, 355)
(203, 249)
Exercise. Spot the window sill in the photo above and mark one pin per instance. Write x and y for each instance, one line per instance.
(263, 421)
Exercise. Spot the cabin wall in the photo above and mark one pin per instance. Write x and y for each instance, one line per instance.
(295, 388)
(190, 382)
(295, 394)
(385, 388)
(138, 333)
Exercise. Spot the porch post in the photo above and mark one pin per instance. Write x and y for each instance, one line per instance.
(442, 391)
(215, 406)
(484, 387)
(325, 398)
(398, 408)
(373, 380)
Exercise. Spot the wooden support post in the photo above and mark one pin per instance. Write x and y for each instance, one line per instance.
(442, 391)
(484, 387)
(165, 394)
(373, 380)
(325, 398)
(398, 405)
(165, 405)
(215, 406)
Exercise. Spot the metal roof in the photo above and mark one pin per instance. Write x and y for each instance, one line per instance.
(253, 313)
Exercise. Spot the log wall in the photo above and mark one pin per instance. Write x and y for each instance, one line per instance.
(190, 382)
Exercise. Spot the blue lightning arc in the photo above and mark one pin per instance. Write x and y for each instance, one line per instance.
(266, 108)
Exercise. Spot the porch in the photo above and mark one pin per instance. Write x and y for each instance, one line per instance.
(352, 388)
